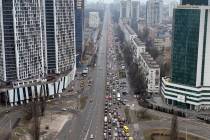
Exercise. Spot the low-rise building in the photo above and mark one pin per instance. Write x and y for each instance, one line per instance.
(94, 19)
(138, 47)
(151, 71)
(159, 44)
(144, 60)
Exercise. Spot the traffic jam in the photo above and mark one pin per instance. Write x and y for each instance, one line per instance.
(115, 123)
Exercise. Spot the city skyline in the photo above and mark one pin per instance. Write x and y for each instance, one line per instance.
(127, 70)
(143, 1)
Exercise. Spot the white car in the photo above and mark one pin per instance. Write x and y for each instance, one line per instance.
(64, 109)
(91, 136)
(115, 134)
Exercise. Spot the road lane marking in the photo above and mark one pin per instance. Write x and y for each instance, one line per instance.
(88, 130)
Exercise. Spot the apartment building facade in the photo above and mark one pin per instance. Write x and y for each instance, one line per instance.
(37, 41)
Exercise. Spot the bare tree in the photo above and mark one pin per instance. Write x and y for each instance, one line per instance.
(36, 121)
(136, 75)
(174, 128)
(42, 105)
(33, 112)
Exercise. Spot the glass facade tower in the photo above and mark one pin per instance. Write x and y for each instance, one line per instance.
(185, 46)
(79, 28)
(195, 2)
(189, 84)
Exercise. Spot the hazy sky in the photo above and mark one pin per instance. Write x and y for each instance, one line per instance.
(108, 1)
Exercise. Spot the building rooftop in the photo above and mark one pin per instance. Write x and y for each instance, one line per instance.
(149, 60)
(139, 42)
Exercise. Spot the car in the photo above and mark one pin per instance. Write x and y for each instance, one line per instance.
(109, 132)
(92, 136)
(123, 103)
(130, 138)
(105, 129)
(114, 102)
(110, 136)
(64, 109)
(105, 119)
(115, 134)
(109, 121)
(124, 93)
(105, 135)
(106, 97)
(106, 103)
(127, 134)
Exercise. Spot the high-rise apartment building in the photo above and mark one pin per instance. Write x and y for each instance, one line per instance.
(128, 9)
(60, 30)
(172, 5)
(189, 85)
(195, 2)
(79, 28)
(154, 12)
(21, 41)
(123, 8)
(135, 6)
(37, 39)
(129, 12)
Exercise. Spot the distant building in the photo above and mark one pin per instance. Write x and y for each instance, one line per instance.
(154, 12)
(135, 7)
(79, 28)
(94, 19)
(141, 24)
(159, 44)
(151, 70)
(128, 9)
(123, 8)
(172, 5)
(189, 84)
(195, 2)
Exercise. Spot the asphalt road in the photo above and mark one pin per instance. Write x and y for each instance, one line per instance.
(90, 120)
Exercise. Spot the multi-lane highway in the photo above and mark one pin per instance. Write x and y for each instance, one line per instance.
(90, 120)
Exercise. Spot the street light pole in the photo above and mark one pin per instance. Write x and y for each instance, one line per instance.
(6, 99)
(186, 133)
